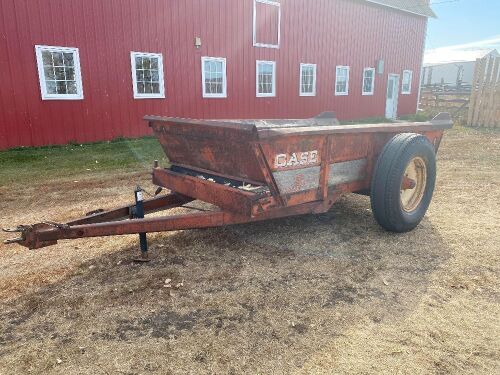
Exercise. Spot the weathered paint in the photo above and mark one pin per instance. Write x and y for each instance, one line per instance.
(298, 189)
(323, 32)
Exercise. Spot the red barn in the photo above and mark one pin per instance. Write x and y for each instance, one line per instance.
(89, 70)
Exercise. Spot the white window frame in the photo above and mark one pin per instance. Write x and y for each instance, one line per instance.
(313, 93)
(41, 74)
(403, 92)
(363, 82)
(265, 95)
(342, 93)
(224, 77)
(161, 76)
(268, 2)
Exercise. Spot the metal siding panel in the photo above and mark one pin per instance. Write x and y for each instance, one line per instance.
(296, 180)
(347, 171)
(324, 32)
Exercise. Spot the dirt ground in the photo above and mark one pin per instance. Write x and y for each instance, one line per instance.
(325, 294)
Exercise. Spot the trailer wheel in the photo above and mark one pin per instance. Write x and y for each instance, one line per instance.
(403, 182)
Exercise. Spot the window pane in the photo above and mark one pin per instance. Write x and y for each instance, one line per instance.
(307, 78)
(154, 63)
(47, 58)
(49, 72)
(148, 88)
(60, 74)
(51, 87)
(214, 77)
(70, 74)
(58, 58)
(61, 87)
(147, 75)
(68, 59)
(146, 63)
(156, 88)
(59, 71)
(71, 87)
(140, 87)
(266, 68)
(265, 78)
(139, 75)
(155, 75)
(367, 87)
(138, 62)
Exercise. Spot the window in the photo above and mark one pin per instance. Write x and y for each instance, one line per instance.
(59, 73)
(147, 75)
(266, 23)
(307, 79)
(213, 75)
(266, 78)
(368, 81)
(407, 78)
(342, 80)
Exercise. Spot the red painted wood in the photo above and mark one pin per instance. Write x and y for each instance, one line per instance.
(324, 32)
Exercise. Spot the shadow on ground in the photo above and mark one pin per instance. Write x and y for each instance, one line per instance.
(256, 298)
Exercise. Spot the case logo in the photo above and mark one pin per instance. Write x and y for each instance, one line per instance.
(296, 159)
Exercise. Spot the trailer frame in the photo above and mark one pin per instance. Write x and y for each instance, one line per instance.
(289, 167)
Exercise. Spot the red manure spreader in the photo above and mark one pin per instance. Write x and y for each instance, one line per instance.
(254, 170)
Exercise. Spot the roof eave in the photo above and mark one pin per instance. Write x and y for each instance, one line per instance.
(431, 15)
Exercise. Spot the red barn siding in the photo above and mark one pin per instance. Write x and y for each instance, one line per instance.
(324, 32)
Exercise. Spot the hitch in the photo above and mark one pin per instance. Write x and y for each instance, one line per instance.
(18, 229)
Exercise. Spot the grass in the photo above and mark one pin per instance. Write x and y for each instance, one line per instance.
(418, 117)
(22, 165)
(367, 120)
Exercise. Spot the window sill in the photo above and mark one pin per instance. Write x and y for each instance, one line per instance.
(149, 96)
(261, 45)
(214, 96)
(62, 97)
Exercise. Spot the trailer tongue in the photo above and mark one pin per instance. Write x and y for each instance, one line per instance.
(256, 170)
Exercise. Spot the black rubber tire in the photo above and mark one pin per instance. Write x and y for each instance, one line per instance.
(388, 175)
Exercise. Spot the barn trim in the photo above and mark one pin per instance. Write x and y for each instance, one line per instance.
(39, 49)
(302, 66)
(363, 92)
(255, 42)
(265, 95)
(208, 95)
(161, 78)
(344, 68)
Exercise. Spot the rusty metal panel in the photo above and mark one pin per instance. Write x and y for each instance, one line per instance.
(293, 181)
(225, 197)
(347, 171)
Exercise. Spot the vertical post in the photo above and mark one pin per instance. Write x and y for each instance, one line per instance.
(139, 214)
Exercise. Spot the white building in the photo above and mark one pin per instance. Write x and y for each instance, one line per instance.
(454, 73)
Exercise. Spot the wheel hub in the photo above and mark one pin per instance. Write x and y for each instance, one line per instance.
(413, 184)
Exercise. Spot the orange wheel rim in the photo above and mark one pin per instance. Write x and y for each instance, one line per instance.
(416, 171)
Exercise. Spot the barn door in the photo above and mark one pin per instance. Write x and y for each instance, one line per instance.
(391, 105)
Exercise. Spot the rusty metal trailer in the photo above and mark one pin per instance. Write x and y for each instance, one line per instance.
(254, 170)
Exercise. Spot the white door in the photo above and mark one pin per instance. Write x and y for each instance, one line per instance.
(391, 104)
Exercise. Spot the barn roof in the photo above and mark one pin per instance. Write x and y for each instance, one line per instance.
(420, 7)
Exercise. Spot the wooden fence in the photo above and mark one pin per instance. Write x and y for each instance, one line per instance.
(484, 107)
(437, 98)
